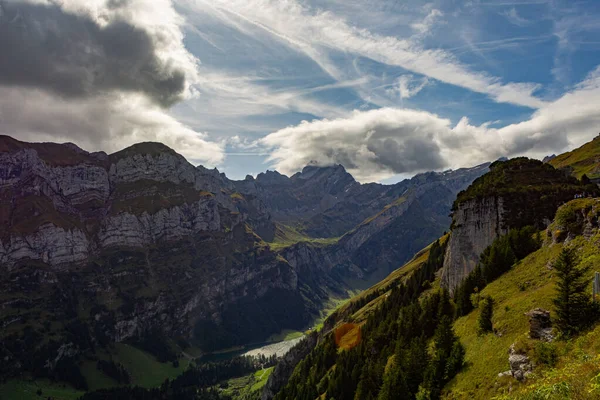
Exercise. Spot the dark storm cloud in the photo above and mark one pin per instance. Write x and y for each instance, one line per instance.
(371, 144)
(71, 55)
(408, 155)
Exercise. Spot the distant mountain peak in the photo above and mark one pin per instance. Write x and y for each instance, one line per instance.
(313, 166)
(272, 177)
(144, 148)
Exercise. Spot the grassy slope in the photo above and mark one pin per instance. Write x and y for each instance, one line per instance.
(583, 160)
(528, 285)
(27, 390)
(347, 311)
(286, 236)
(243, 387)
(144, 369)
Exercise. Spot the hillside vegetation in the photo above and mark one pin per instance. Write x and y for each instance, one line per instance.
(532, 190)
(581, 161)
(531, 284)
(417, 341)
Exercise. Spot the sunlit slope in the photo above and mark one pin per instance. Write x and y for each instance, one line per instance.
(531, 284)
(584, 160)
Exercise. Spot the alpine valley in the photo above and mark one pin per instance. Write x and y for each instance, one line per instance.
(136, 275)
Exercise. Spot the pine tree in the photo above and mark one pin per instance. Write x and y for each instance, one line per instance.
(447, 359)
(394, 383)
(571, 301)
(456, 360)
(414, 363)
(484, 321)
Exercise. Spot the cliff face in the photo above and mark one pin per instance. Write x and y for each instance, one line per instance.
(378, 244)
(141, 240)
(477, 223)
(514, 194)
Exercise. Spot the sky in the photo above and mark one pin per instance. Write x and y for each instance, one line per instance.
(386, 88)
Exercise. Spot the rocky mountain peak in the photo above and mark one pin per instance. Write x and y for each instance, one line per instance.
(53, 154)
(312, 169)
(144, 148)
(271, 178)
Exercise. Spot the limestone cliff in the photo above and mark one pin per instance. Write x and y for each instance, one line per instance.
(514, 194)
(477, 223)
(392, 235)
(133, 242)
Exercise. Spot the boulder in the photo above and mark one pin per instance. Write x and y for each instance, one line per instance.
(520, 365)
(540, 325)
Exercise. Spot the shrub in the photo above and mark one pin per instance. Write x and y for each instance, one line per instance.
(484, 321)
(545, 354)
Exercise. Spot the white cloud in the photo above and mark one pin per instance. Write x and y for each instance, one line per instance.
(315, 32)
(376, 144)
(110, 123)
(115, 101)
(423, 27)
(407, 86)
(514, 18)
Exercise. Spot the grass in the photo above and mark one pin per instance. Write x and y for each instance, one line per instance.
(241, 387)
(332, 305)
(347, 336)
(583, 160)
(148, 196)
(147, 148)
(286, 236)
(530, 284)
(286, 334)
(27, 390)
(94, 378)
(261, 378)
(145, 370)
(395, 203)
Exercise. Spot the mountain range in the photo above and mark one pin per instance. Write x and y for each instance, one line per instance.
(142, 247)
(121, 274)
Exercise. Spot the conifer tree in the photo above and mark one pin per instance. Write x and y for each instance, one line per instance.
(484, 321)
(456, 360)
(571, 301)
(394, 382)
(447, 360)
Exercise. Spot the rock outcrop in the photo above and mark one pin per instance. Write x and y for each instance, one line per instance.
(520, 364)
(514, 194)
(394, 233)
(141, 238)
(476, 224)
(540, 325)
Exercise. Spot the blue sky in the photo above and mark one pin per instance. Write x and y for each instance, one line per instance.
(386, 88)
(273, 64)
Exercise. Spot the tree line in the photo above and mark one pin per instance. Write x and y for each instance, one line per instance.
(392, 361)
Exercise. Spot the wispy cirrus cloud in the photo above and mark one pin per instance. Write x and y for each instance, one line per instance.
(514, 18)
(314, 32)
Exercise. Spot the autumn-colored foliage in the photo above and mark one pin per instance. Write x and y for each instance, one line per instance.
(347, 336)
